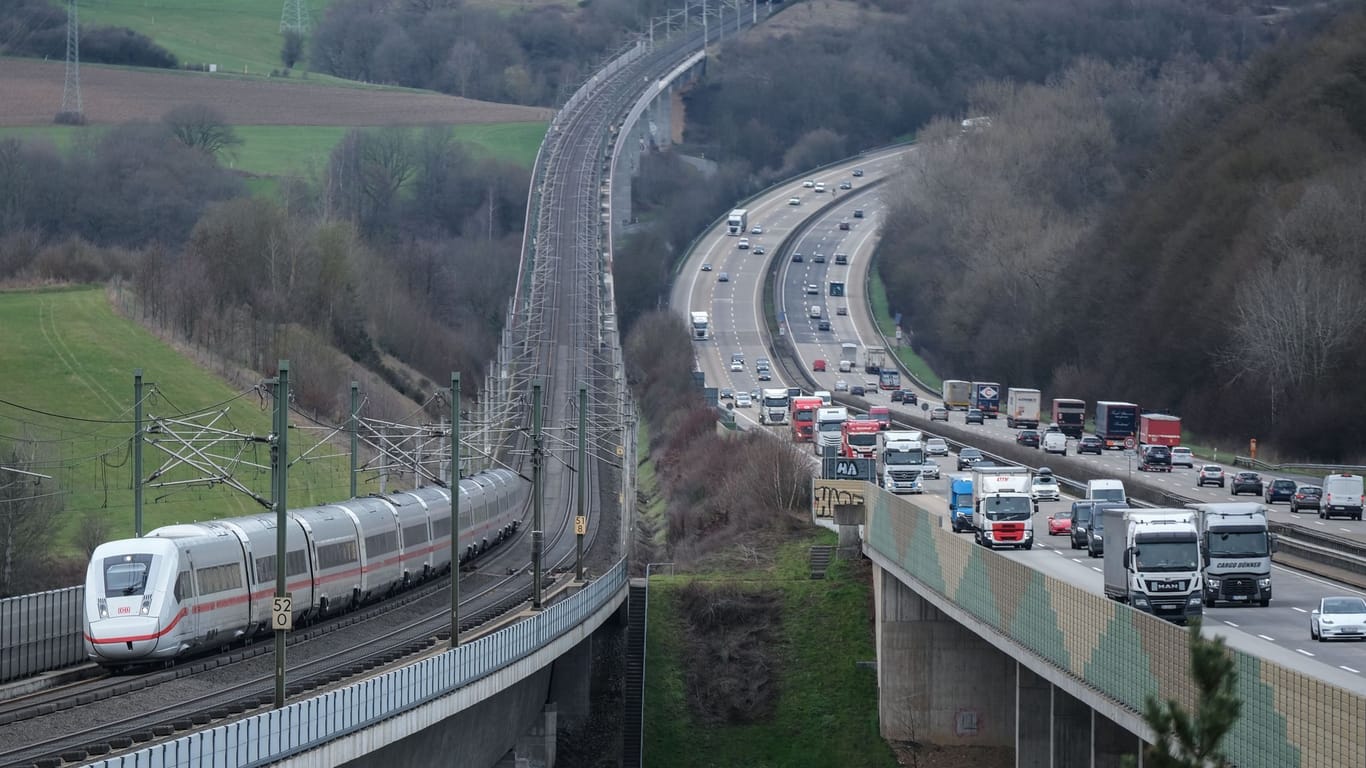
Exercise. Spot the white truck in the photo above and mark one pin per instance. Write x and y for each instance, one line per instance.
(1002, 511)
(955, 394)
(829, 428)
(890, 436)
(1235, 549)
(737, 222)
(874, 359)
(1152, 561)
(775, 406)
(901, 463)
(1022, 408)
(701, 326)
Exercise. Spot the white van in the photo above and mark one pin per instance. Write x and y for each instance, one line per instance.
(824, 395)
(1054, 442)
(846, 366)
(1342, 496)
(1106, 490)
(816, 311)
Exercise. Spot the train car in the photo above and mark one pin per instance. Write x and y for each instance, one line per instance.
(200, 586)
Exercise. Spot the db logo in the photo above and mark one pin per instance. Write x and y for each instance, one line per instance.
(125, 610)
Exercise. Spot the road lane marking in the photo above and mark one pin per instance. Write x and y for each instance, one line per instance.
(1349, 669)
(1297, 608)
(1231, 624)
(1306, 653)
(1268, 639)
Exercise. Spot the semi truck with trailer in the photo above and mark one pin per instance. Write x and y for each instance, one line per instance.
(1002, 511)
(737, 223)
(901, 462)
(1235, 553)
(955, 393)
(986, 397)
(701, 326)
(874, 360)
(803, 417)
(1069, 415)
(960, 503)
(774, 406)
(1159, 429)
(1152, 561)
(1116, 422)
(859, 438)
(829, 427)
(889, 378)
(1022, 408)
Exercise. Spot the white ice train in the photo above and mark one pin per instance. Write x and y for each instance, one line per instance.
(184, 588)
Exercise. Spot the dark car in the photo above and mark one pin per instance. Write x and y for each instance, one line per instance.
(1095, 532)
(818, 259)
(857, 172)
(1029, 438)
(1156, 458)
(909, 398)
(1090, 444)
(974, 416)
(856, 390)
(968, 457)
(1306, 497)
(858, 213)
(823, 325)
(759, 250)
(796, 258)
(1246, 482)
(1280, 490)
(897, 395)
(1081, 517)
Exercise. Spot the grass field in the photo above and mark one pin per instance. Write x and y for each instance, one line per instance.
(285, 150)
(827, 709)
(877, 296)
(243, 34)
(68, 354)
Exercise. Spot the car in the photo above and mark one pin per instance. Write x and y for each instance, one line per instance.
(858, 172)
(858, 213)
(738, 356)
(1029, 438)
(1210, 474)
(812, 289)
(818, 365)
(1060, 522)
(974, 416)
(797, 258)
(1044, 488)
(896, 396)
(1051, 428)
(1155, 458)
(1339, 617)
(939, 413)
(809, 183)
(846, 185)
(818, 258)
(936, 446)
(743, 400)
(755, 395)
(706, 267)
(1053, 442)
(930, 469)
(726, 394)
(1081, 517)
(759, 250)
(844, 226)
(743, 244)
(756, 230)
(1280, 490)
(794, 201)
(841, 385)
(842, 258)
(823, 325)
(820, 188)
(909, 398)
(765, 375)
(724, 277)
(841, 311)
(1182, 457)
(1090, 444)
(1306, 497)
(1095, 532)
(1246, 482)
(968, 457)
(736, 365)
(856, 390)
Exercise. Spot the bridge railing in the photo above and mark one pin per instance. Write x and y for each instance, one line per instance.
(1124, 655)
(304, 725)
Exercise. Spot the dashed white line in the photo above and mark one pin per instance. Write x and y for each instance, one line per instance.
(1268, 639)
(1231, 624)
(1349, 669)
(1097, 570)
(1297, 608)
(1306, 653)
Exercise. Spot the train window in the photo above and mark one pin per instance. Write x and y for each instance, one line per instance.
(184, 587)
(341, 553)
(381, 543)
(296, 563)
(219, 578)
(441, 527)
(414, 534)
(265, 569)
(126, 575)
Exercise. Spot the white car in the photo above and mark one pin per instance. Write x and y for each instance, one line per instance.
(794, 201)
(1338, 617)
(736, 365)
(1182, 457)
(743, 244)
(1044, 488)
(930, 469)
(820, 188)
(936, 446)
(756, 230)
(841, 385)
(809, 183)
(743, 400)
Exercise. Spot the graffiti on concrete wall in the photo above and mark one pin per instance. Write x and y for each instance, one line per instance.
(827, 494)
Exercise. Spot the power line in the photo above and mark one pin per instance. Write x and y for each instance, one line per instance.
(71, 90)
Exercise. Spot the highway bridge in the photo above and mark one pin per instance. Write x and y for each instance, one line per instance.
(1015, 649)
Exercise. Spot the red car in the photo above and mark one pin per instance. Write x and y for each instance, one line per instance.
(1060, 522)
(818, 365)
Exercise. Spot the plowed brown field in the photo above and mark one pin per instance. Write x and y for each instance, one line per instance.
(31, 93)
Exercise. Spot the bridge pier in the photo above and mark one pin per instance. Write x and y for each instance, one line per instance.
(1033, 736)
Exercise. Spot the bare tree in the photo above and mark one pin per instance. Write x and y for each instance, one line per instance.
(201, 127)
(29, 505)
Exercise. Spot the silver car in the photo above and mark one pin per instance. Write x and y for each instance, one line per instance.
(930, 469)
(936, 446)
(1338, 618)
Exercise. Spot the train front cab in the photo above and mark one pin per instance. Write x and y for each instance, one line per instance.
(127, 586)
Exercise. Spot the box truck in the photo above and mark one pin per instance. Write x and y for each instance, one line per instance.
(1159, 429)
(986, 397)
(1152, 561)
(1069, 414)
(1116, 422)
(955, 394)
(1002, 511)
(1235, 552)
(1022, 408)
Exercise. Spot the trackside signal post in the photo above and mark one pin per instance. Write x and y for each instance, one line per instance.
(279, 465)
(581, 520)
(536, 496)
(455, 509)
(137, 452)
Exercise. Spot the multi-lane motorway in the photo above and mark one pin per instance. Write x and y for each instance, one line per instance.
(1279, 633)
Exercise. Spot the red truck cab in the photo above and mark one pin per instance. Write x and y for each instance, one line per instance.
(859, 438)
(882, 415)
(803, 418)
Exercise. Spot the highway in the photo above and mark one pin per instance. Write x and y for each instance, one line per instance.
(1278, 633)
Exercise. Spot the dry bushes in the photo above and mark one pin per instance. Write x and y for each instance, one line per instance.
(732, 652)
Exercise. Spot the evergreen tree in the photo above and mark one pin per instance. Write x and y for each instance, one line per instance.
(1184, 741)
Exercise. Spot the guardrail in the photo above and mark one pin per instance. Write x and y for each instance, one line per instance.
(1304, 469)
(304, 725)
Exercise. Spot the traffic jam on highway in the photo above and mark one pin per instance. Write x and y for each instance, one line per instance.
(1209, 553)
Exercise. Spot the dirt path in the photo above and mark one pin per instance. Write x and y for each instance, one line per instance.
(31, 93)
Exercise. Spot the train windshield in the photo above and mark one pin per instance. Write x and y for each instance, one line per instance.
(126, 575)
